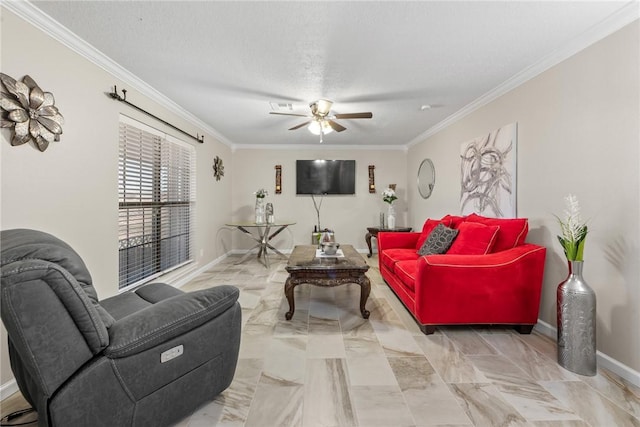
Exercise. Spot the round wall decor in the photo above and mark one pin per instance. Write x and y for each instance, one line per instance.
(426, 178)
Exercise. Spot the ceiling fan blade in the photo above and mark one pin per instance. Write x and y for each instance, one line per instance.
(354, 116)
(300, 125)
(336, 126)
(288, 114)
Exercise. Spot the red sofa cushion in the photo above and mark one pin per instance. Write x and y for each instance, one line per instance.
(474, 238)
(512, 233)
(389, 257)
(406, 272)
(428, 227)
(453, 220)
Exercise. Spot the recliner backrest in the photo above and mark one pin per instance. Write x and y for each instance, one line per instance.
(25, 244)
(49, 308)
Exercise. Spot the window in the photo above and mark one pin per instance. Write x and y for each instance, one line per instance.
(156, 180)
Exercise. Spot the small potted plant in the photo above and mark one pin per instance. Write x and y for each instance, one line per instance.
(389, 196)
(575, 300)
(260, 208)
(573, 229)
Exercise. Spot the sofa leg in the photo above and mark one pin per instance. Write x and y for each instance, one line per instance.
(428, 329)
(524, 329)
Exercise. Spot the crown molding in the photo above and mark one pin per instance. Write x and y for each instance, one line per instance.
(623, 17)
(30, 13)
(319, 146)
(27, 11)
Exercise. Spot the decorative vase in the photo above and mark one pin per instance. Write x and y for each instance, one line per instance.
(576, 306)
(269, 216)
(391, 217)
(260, 211)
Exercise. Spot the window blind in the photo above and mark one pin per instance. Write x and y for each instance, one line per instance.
(156, 192)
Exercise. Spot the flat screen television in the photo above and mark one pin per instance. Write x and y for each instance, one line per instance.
(325, 177)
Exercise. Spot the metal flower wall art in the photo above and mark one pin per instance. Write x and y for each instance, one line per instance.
(218, 168)
(30, 111)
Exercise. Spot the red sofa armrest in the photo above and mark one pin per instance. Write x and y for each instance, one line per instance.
(393, 240)
(502, 287)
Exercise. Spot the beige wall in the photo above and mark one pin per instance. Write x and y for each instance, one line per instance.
(578, 132)
(71, 189)
(347, 215)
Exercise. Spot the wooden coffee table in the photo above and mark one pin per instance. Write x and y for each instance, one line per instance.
(304, 267)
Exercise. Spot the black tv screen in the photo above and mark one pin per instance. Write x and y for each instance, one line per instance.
(325, 177)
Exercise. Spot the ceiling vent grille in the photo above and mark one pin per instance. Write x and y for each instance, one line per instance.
(281, 106)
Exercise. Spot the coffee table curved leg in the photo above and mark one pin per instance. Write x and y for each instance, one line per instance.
(365, 290)
(289, 285)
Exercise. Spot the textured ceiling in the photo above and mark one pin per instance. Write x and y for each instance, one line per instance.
(224, 62)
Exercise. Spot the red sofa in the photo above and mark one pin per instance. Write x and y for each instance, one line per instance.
(489, 275)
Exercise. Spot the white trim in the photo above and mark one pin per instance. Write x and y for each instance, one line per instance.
(613, 23)
(30, 13)
(194, 273)
(8, 388)
(287, 251)
(318, 146)
(604, 361)
(246, 251)
(36, 17)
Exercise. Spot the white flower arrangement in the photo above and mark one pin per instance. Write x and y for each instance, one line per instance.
(574, 230)
(389, 195)
(261, 193)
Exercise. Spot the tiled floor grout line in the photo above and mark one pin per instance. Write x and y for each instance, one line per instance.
(389, 312)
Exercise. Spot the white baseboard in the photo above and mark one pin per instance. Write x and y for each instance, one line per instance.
(604, 361)
(193, 274)
(245, 251)
(8, 388)
(288, 251)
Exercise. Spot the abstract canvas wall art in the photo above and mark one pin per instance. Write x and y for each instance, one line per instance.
(488, 174)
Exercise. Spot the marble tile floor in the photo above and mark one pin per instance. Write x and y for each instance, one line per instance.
(328, 366)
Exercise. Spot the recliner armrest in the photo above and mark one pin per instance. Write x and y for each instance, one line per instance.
(168, 319)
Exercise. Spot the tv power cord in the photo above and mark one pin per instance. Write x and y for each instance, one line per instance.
(16, 414)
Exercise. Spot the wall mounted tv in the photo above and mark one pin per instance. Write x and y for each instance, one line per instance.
(325, 177)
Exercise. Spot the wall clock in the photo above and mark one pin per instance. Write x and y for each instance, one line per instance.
(218, 168)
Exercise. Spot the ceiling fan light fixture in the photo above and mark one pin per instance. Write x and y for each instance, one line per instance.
(321, 107)
(316, 125)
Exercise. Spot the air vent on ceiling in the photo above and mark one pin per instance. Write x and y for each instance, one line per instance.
(281, 106)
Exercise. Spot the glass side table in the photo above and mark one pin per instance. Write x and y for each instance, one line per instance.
(262, 234)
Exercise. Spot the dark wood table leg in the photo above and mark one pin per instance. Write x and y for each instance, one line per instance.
(365, 290)
(289, 285)
(368, 239)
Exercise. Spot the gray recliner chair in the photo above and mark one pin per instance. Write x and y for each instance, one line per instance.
(143, 358)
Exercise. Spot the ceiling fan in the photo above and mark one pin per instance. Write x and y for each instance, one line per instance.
(321, 121)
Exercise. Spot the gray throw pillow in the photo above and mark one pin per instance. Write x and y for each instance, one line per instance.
(439, 240)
